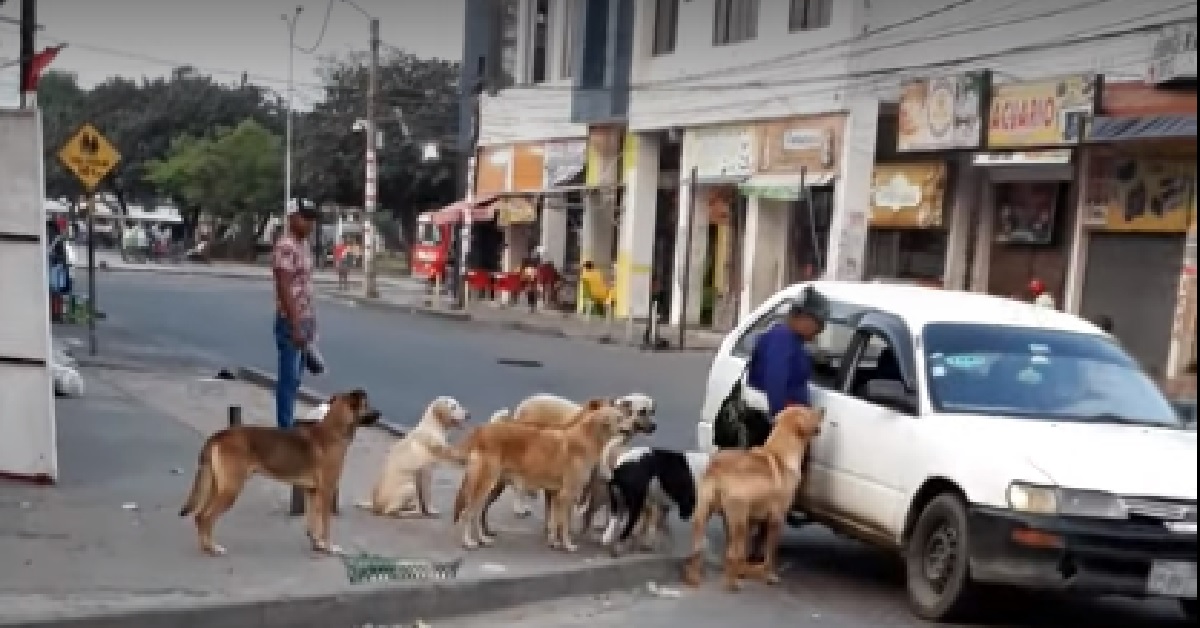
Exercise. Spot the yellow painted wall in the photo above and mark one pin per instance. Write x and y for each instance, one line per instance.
(623, 268)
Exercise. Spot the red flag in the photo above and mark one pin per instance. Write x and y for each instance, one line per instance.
(37, 65)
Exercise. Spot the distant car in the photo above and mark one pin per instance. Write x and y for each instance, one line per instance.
(985, 440)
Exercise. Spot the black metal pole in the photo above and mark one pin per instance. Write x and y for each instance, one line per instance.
(93, 349)
(28, 28)
(687, 257)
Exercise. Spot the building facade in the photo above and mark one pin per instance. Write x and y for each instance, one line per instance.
(736, 146)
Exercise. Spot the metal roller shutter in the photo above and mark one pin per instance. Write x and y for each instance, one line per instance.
(1133, 279)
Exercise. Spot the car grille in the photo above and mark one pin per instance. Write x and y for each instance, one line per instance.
(1161, 509)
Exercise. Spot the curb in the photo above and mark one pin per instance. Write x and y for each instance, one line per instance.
(395, 605)
(218, 274)
(266, 380)
(545, 331)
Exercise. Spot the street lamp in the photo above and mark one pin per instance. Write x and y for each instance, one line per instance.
(287, 159)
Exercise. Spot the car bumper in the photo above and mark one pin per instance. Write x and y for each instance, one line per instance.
(1072, 555)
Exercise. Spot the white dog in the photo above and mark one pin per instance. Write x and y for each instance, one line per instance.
(549, 410)
(406, 479)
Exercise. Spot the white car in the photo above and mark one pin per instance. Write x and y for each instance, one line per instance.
(987, 441)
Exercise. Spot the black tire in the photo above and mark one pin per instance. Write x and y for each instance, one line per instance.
(937, 565)
(1188, 608)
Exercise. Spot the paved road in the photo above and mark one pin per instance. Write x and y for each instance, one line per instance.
(406, 360)
(403, 361)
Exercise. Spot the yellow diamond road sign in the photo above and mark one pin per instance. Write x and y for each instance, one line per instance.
(89, 156)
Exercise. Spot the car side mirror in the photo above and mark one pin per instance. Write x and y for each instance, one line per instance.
(892, 394)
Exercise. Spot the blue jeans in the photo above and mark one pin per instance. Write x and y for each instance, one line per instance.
(291, 365)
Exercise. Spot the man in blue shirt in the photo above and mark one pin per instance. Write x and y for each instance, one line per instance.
(780, 365)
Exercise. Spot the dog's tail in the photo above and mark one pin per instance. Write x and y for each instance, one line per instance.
(203, 485)
(503, 414)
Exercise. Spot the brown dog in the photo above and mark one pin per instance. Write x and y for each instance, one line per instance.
(558, 461)
(752, 486)
(554, 412)
(310, 456)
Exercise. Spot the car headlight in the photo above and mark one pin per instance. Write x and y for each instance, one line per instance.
(1049, 500)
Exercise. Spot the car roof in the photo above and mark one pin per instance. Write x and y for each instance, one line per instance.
(920, 306)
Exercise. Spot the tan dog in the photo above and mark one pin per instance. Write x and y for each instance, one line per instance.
(406, 480)
(552, 411)
(310, 456)
(752, 486)
(558, 461)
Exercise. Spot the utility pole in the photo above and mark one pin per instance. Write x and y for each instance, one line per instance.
(370, 287)
(28, 27)
(287, 159)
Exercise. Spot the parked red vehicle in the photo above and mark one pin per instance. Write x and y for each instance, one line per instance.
(431, 251)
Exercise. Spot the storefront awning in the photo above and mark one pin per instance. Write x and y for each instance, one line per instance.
(783, 187)
(482, 210)
(1119, 129)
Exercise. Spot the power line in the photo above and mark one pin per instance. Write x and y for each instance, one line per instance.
(321, 35)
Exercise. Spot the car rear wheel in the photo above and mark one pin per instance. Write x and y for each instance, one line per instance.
(937, 562)
(1188, 608)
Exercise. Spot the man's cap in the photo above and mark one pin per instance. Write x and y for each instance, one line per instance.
(810, 303)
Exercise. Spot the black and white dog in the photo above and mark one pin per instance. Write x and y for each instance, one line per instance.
(646, 483)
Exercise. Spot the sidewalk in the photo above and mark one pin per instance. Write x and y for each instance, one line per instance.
(111, 261)
(552, 324)
(106, 547)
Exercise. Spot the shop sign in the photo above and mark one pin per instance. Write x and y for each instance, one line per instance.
(908, 195)
(563, 161)
(1139, 193)
(942, 113)
(1174, 56)
(1057, 157)
(604, 155)
(720, 152)
(516, 210)
(1042, 113)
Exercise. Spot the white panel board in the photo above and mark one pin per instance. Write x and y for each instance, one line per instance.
(27, 420)
(27, 431)
(24, 301)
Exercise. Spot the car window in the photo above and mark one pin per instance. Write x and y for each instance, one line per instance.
(827, 350)
(1038, 373)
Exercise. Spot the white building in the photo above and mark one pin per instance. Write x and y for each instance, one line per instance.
(755, 94)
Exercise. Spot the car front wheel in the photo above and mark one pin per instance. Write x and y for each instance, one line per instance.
(937, 562)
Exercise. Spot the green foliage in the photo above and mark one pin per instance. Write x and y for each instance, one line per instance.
(235, 176)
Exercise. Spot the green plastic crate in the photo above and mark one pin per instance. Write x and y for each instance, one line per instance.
(372, 568)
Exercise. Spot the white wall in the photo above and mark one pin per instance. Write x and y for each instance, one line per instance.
(532, 112)
(782, 73)
(663, 98)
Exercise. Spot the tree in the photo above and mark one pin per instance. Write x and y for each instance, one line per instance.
(143, 119)
(235, 178)
(417, 104)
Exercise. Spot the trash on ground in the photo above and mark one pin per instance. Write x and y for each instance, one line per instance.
(129, 506)
(654, 589)
(492, 568)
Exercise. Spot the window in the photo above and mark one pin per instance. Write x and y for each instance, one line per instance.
(507, 29)
(807, 15)
(736, 21)
(1039, 374)
(666, 25)
(827, 350)
(572, 22)
(429, 234)
(539, 39)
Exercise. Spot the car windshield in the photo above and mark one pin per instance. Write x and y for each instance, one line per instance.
(1039, 373)
(429, 234)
